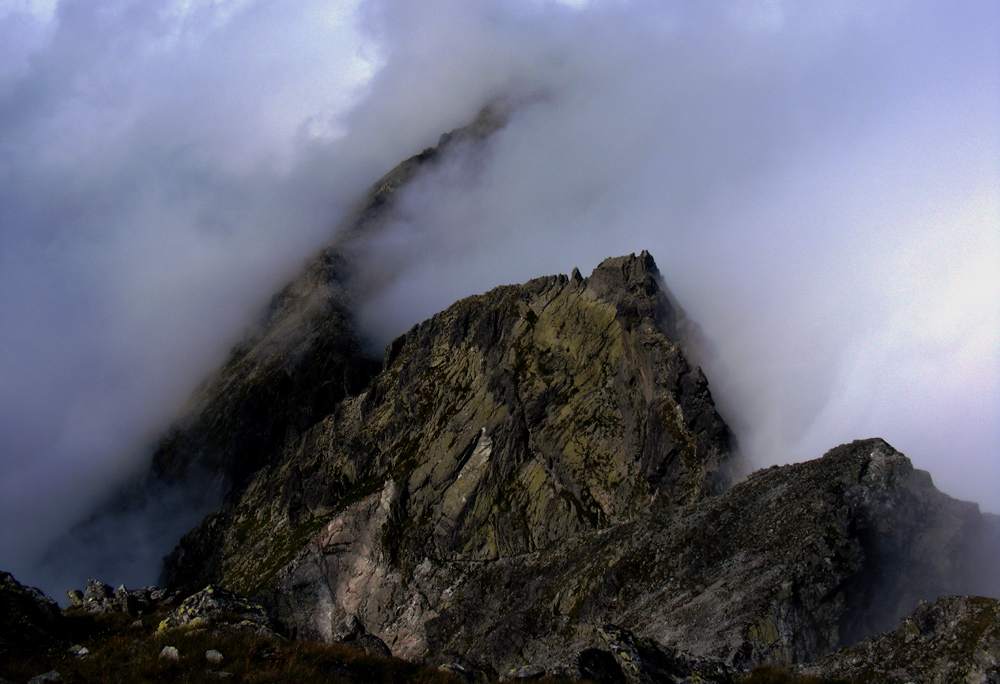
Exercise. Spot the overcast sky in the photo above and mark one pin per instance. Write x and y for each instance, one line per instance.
(818, 182)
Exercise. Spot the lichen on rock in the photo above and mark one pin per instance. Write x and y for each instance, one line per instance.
(217, 607)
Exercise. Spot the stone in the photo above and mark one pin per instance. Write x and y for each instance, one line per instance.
(99, 598)
(213, 657)
(129, 602)
(170, 653)
(79, 651)
(217, 607)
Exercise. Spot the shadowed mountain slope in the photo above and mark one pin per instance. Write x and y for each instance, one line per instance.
(304, 357)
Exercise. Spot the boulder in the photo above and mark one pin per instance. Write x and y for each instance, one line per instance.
(170, 653)
(99, 598)
(218, 608)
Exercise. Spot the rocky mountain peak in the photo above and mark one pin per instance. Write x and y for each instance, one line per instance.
(533, 476)
(551, 436)
(633, 285)
(508, 421)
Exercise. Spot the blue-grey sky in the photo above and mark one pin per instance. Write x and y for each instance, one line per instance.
(819, 183)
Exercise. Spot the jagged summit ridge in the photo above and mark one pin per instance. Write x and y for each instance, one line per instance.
(509, 421)
(536, 471)
(551, 437)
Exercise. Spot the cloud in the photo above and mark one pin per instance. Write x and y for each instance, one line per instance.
(164, 167)
(818, 184)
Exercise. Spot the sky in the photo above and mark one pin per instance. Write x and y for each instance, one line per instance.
(818, 182)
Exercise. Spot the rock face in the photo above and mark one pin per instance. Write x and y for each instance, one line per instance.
(536, 481)
(955, 639)
(540, 460)
(496, 429)
(307, 356)
(784, 567)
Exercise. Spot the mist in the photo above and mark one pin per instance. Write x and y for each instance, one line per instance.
(820, 186)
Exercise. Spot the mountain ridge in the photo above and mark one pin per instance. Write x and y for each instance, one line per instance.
(533, 471)
(502, 332)
(785, 567)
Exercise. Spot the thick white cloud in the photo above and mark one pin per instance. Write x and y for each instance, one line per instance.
(818, 182)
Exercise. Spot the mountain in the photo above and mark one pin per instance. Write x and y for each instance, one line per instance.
(537, 479)
(267, 391)
(540, 460)
(501, 426)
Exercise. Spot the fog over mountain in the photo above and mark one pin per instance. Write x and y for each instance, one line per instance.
(819, 183)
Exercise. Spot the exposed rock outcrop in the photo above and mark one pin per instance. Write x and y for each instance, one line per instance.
(215, 607)
(540, 460)
(292, 371)
(306, 356)
(507, 423)
(100, 598)
(953, 640)
(644, 661)
(784, 567)
(525, 483)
